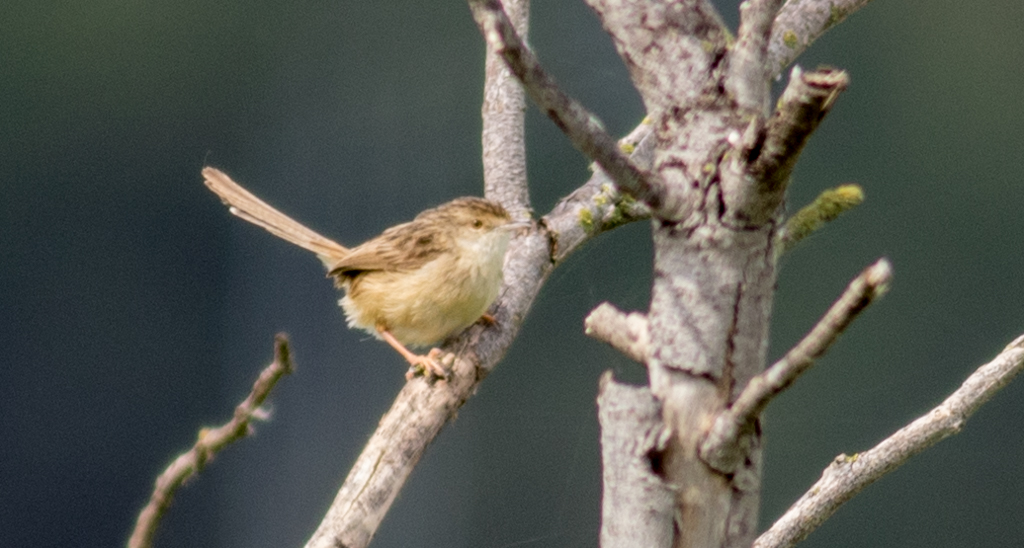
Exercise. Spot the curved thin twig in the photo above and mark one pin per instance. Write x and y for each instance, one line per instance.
(210, 442)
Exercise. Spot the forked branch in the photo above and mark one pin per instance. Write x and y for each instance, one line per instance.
(723, 448)
(584, 129)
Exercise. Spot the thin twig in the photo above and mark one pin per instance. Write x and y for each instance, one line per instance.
(848, 475)
(723, 448)
(210, 442)
(584, 129)
(626, 333)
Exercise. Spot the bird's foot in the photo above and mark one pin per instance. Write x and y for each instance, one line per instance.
(429, 364)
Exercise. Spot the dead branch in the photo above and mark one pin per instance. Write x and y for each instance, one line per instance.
(627, 333)
(847, 475)
(768, 162)
(723, 448)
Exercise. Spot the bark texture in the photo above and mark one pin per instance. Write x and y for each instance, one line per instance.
(637, 507)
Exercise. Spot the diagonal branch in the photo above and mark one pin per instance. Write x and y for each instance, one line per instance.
(847, 475)
(596, 206)
(800, 23)
(808, 98)
(210, 442)
(723, 448)
(584, 129)
(421, 410)
(415, 419)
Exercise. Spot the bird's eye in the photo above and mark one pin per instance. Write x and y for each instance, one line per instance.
(477, 223)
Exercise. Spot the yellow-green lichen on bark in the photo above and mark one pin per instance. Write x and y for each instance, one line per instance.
(790, 39)
(586, 219)
(835, 15)
(829, 205)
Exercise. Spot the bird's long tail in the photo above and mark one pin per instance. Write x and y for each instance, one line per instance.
(244, 204)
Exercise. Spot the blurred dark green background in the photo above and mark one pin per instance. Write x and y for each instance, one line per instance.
(134, 309)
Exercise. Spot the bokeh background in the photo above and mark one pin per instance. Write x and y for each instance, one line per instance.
(134, 310)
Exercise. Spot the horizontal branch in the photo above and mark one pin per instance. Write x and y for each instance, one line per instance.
(848, 475)
(584, 129)
(723, 448)
(210, 442)
(627, 333)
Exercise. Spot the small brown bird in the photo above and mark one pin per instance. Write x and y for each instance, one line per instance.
(417, 283)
